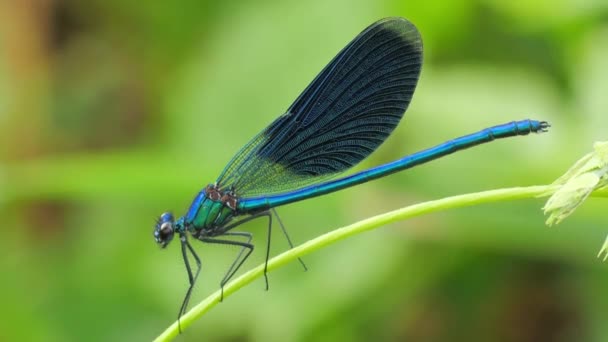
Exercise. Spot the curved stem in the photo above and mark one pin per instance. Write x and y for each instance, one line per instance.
(353, 229)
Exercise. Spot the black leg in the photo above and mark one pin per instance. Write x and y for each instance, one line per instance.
(249, 236)
(287, 236)
(238, 262)
(268, 249)
(240, 222)
(233, 269)
(191, 278)
(247, 219)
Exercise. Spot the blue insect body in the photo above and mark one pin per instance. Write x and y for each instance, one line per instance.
(344, 115)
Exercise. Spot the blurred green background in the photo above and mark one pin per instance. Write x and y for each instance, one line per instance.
(112, 112)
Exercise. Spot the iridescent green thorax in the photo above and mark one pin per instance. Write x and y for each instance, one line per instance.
(211, 209)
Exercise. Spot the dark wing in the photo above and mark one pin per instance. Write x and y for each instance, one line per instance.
(347, 111)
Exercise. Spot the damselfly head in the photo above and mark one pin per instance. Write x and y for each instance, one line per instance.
(164, 229)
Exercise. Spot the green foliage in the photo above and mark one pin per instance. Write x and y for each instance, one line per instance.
(112, 112)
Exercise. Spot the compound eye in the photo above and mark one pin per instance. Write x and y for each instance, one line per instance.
(166, 230)
(166, 217)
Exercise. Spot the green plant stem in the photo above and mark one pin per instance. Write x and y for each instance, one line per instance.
(357, 228)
